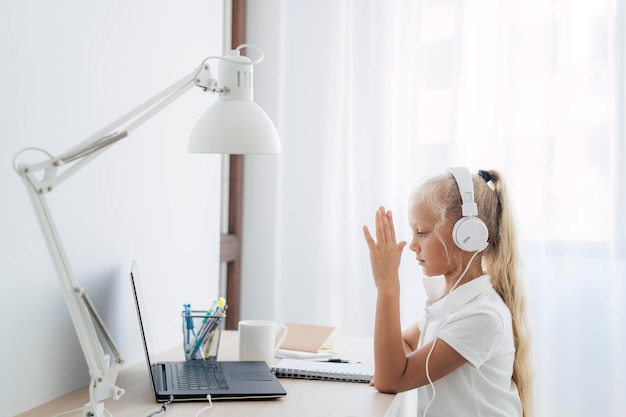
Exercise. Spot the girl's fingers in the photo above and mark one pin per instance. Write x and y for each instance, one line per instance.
(368, 237)
(392, 228)
(380, 225)
(385, 229)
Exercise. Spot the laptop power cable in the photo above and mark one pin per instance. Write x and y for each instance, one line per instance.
(163, 407)
(208, 398)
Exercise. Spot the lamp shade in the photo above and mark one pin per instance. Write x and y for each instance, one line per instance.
(234, 127)
(234, 124)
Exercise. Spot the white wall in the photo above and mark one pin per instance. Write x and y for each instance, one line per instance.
(68, 68)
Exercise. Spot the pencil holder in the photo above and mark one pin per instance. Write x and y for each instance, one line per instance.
(201, 334)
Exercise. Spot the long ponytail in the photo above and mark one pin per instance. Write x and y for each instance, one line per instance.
(501, 259)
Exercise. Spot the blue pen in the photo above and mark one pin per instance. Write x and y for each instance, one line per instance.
(210, 332)
(214, 306)
(208, 314)
(188, 320)
(203, 331)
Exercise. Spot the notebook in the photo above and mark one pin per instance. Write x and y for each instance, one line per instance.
(327, 371)
(193, 380)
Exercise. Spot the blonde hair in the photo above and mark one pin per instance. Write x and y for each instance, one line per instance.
(441, 196)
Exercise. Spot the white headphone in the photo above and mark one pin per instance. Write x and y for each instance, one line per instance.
(469, 233)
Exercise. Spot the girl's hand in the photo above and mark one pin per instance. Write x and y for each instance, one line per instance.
(385, 251)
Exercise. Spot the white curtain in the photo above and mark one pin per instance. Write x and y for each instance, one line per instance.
(376, 94)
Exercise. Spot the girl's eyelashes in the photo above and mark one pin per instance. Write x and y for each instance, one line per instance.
(419, 232)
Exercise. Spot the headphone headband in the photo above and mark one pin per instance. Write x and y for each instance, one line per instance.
(466, 188)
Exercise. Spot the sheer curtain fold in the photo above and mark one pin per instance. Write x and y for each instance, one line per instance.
(404, 89)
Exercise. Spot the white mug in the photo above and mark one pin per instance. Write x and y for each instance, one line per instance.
(257, 340)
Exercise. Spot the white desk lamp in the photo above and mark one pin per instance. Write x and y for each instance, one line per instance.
(234, 124)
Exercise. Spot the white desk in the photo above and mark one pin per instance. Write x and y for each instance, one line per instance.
(305, 398)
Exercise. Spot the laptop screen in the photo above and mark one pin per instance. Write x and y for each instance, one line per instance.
(141, 308)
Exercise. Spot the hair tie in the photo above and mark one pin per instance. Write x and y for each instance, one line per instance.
(485, 175)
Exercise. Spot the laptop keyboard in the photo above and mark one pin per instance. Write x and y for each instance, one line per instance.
(198, 376)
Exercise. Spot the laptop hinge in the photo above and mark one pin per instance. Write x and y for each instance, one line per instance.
(159, 377)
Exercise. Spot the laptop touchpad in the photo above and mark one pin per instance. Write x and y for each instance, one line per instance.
(251, 375)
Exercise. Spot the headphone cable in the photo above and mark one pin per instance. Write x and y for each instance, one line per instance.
(430, 381)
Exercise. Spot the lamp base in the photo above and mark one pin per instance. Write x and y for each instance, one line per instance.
(91, 410)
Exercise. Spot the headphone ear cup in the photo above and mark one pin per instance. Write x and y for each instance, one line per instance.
(470, 234)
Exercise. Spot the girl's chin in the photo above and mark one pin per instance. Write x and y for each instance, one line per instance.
(429, 274)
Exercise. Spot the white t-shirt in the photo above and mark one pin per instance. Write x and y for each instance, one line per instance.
(476, 323)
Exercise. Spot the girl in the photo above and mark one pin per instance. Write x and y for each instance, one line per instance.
(469, 352)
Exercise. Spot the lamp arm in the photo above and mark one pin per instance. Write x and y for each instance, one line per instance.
(82, 312)
(81, 154)
(103, 374)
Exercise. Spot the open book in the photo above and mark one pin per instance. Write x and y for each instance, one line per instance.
(328, 371)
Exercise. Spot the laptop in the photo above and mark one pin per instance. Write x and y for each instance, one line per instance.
(195, 379)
